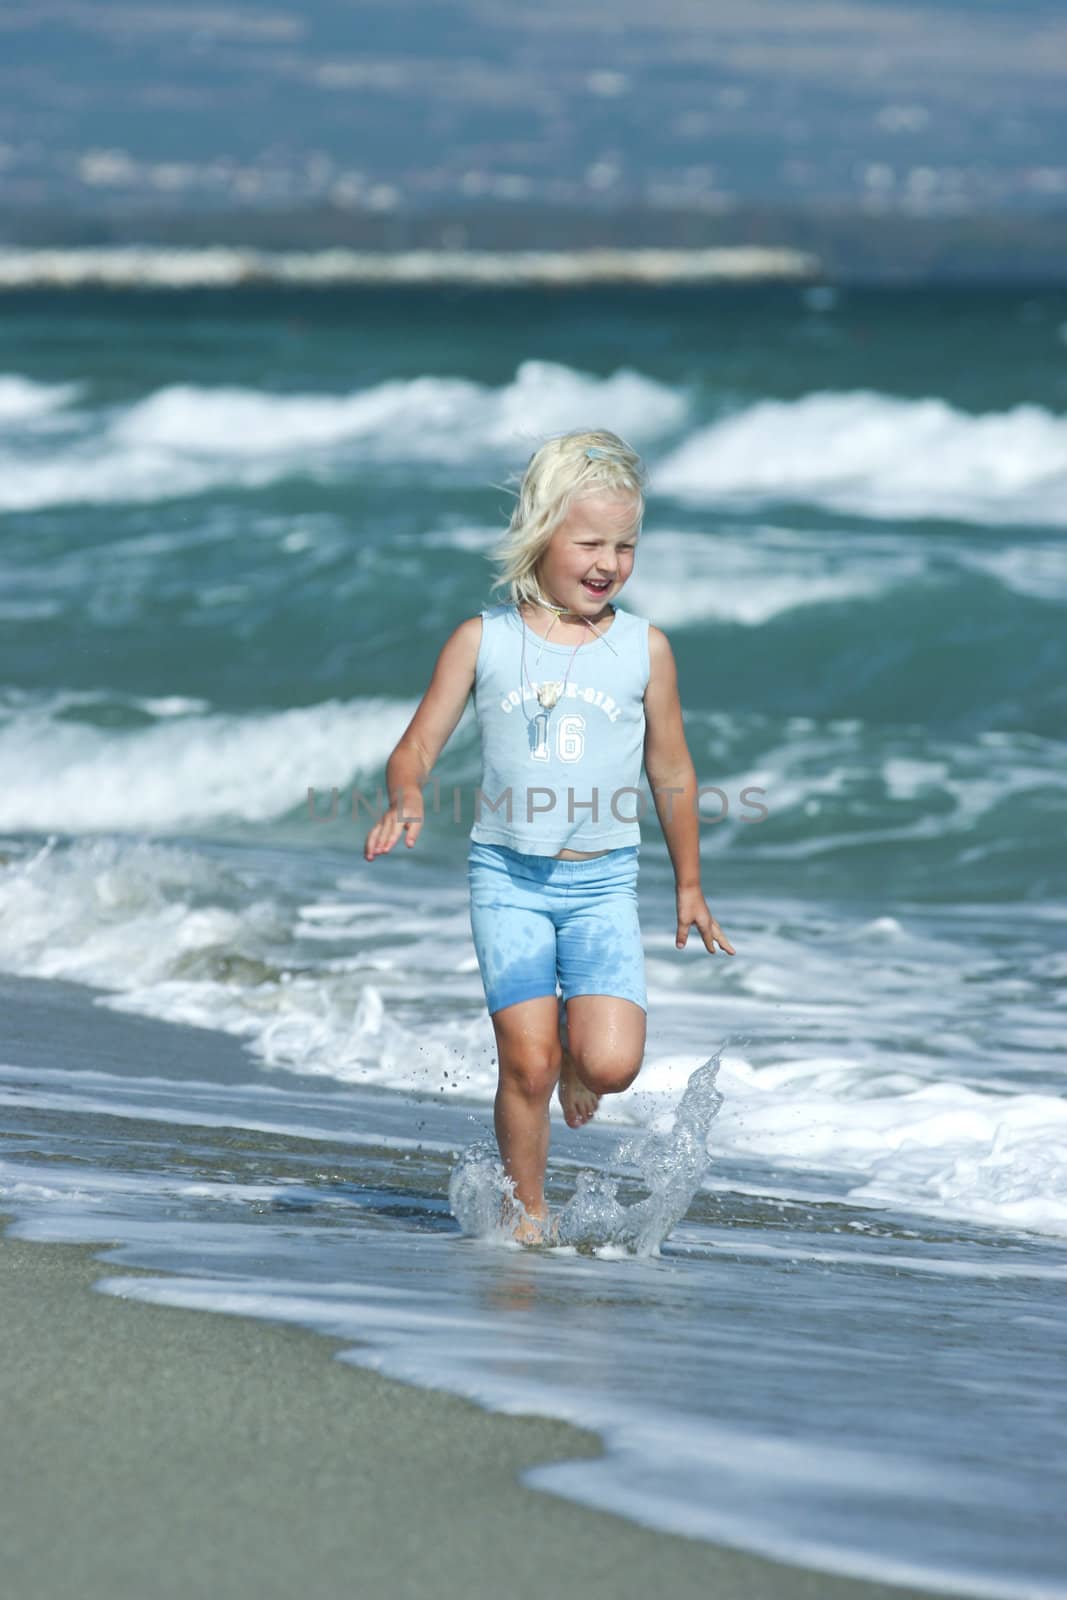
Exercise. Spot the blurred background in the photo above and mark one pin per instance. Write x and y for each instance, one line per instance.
(889, 138)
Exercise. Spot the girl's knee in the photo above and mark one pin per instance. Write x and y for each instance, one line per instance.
(532, 1072)
(607, 1072)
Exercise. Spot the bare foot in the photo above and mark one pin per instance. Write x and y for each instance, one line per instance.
(529, 1227)
(577, 1101)
(532, 1230)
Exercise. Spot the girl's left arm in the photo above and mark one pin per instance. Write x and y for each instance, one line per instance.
(673, 778)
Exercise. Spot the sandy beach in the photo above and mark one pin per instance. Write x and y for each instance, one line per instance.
(151, 1452)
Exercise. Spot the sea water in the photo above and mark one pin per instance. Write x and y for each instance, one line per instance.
(810, 1279)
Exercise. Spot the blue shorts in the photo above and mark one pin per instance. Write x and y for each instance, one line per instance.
(536, 919)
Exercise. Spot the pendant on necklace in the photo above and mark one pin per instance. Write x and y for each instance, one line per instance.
(548, 694)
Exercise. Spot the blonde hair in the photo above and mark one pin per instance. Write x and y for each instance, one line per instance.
(564, 469)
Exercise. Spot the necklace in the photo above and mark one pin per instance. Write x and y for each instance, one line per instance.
(548, 694)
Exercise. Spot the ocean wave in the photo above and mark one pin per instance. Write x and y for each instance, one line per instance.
(425, 418)
(187, 938)
(24, 400)
(862, 806)
(751, 575)
(942, 1149)
(879, 456)
(848, 800)
(859, 452)
(1037, 570)
(188, 768)
(148, 267)
(186, 439)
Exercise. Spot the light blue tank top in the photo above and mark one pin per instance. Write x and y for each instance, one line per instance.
(565, 778)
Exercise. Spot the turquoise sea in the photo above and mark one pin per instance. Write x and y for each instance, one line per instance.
(237, 527)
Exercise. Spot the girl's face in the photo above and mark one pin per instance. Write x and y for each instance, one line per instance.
(591, 553)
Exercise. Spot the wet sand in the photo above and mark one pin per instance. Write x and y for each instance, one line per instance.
(150, 1452)
(154, 1452)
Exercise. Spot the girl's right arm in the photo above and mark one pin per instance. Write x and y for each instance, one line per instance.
(425, 737)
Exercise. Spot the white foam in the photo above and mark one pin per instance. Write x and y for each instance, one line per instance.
(755, 574)
(181, 939)
(402, 419)
(188, 769)
(24, 400)
(467, 536)
(1038, 570)
(880, 456)
(84, 477)
(936, 1148)
(186, 439)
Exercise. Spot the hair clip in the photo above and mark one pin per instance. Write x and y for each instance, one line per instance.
(596, 454)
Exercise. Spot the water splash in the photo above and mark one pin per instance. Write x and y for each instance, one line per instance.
(670, 1166)
(480, 1193)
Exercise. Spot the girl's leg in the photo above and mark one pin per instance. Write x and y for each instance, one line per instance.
(602, 973)
(530, 1056)
(513, 927)
(578, 1101)
(607, 1042)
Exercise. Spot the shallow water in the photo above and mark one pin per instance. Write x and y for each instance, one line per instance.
(839, 1384)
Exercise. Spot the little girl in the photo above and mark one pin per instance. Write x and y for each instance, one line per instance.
(571, 693)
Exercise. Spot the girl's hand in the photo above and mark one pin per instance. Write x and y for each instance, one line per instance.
(407, 817)
(693, 908)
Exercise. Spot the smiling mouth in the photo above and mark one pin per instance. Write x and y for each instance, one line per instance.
(597, 588)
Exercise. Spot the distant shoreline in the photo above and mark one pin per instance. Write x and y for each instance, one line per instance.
(229, 267)
(502, 247)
